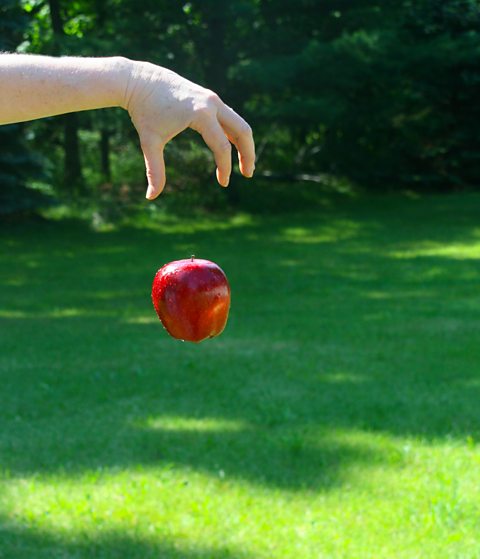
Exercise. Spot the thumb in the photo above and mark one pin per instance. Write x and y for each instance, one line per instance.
(155, 166)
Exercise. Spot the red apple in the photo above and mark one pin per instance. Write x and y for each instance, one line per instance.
(192, 299)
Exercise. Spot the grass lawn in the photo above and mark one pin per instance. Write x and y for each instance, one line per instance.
(338, 416)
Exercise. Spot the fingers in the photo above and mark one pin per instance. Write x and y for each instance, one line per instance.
(155, 166)
(240, 134)
(216, 140)
(219, 126)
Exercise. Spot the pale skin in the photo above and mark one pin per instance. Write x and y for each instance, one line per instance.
(161, 104)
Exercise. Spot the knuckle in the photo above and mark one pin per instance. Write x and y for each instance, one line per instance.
(224, 147)
(207, 104)
(150, 175)
(212, 98)
(149, 141)
(203, 109)
(203, 113)
(246, 129)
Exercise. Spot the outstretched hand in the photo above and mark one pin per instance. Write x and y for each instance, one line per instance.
(162, 104)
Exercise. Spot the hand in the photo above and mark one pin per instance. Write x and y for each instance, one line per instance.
(162, 104)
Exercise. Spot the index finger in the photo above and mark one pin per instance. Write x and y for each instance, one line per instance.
(240, 134)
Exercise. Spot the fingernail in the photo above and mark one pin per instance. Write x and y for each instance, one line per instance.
(150, 192)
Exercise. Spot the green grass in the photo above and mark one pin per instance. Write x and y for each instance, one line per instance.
(338, 416)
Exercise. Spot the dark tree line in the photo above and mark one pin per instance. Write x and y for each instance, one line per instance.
(17, 162)
(382, 93)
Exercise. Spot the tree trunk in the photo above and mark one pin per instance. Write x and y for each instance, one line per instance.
(215, 14)
(72, 172)
(105, 165)
(72, 175)
(57, 23)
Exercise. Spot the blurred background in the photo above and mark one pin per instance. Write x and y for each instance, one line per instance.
(340, 93)
(337, 415)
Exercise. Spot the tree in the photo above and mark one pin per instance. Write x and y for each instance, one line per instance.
(17, 163)
(380, 92)
(383, 93)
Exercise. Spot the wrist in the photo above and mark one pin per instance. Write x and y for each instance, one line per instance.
(122, 70)
(138, 77)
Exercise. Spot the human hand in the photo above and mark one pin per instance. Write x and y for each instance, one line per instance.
(162, 104)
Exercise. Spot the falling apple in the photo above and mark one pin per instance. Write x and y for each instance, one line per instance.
(192, 299)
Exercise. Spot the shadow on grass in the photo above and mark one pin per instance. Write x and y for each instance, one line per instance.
(277, 423)
(329, 331)
(20, 542)
(283, 456)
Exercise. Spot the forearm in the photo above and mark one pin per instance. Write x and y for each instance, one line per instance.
(33, 86)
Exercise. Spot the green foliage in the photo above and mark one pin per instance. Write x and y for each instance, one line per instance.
(383, 94)
(17, 162)
(388, 90)
(443, 68)
(17, 166)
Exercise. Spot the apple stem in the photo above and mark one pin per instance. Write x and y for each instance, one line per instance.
(192, 257)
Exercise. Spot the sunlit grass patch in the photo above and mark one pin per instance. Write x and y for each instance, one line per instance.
(333, 230)
(204, 424)
(459, 251)
(336, 416)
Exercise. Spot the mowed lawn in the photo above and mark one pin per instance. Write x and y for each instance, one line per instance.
(338, 416)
